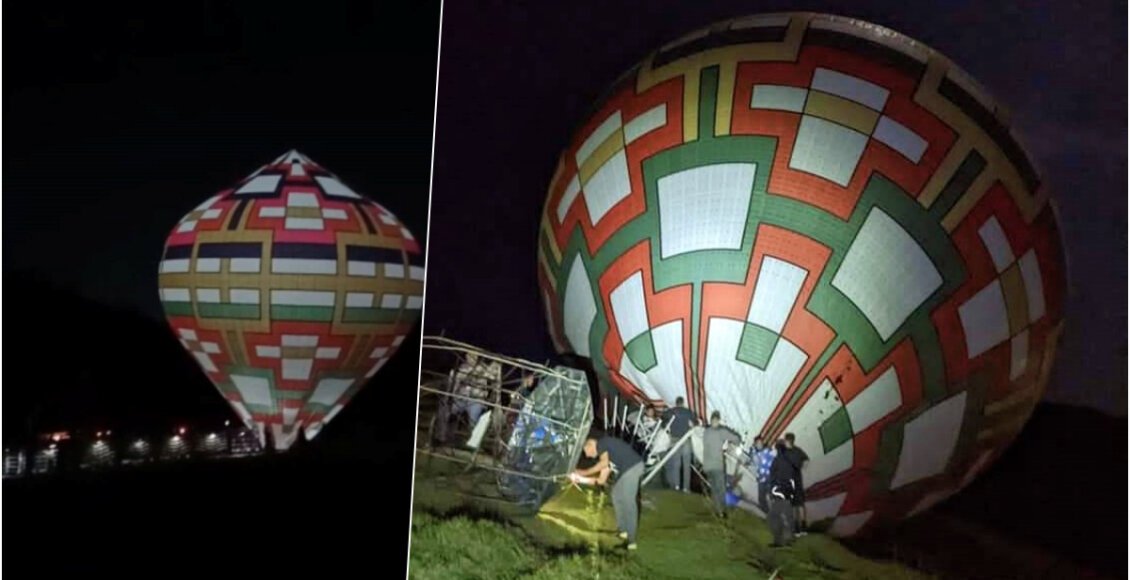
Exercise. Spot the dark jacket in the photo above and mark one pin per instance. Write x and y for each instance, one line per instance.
(684, 420)
(783, 478)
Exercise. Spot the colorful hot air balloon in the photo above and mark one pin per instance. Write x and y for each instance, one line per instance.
(813, 225)
(291, 291)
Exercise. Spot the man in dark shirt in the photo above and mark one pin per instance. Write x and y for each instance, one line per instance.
(613, 454)
(783, 477)
(798, 458)
(715, 440)
(681, 420)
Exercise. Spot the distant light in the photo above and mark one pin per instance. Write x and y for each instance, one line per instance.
(53, 446)
(181, 431)
(139, 443)
(211, 436)
(227, 423)
(107, 433)
(176, 438)
(56, 437)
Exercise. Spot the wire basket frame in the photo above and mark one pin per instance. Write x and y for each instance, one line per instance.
(524, 421)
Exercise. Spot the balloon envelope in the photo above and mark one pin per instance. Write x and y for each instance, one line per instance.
(817, 226)
(291, 291)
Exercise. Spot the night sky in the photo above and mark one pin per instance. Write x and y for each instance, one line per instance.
(119, 120)
(515, 82)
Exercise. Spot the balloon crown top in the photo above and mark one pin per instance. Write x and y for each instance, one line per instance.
(293, 156)
(293, 163)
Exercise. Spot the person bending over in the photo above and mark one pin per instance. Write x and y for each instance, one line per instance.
(615, 455)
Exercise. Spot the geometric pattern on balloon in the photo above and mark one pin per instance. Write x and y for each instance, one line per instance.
(291, 291)
(816, 225)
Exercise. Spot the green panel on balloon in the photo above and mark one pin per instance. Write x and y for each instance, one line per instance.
(303, 313)
(707, 101)
(240, 311)
(178, 308)
(836, 430)
(890, 444)
(756, 347)
(641, 350)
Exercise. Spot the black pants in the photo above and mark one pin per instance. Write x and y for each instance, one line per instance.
(781, 520)
(763, 496)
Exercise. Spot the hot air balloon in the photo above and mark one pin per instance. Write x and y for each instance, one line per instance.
(814, 225)
(291, 291)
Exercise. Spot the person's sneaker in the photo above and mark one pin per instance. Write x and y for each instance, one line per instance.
(801, 533)
(623, 535)
(631, 546)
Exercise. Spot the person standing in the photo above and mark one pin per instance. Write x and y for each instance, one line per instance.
(798, 459)
(762, 462)
(469, 383)
(645, 422)
(715, 439)
(615, 455)
(681, 419)
(783, 484)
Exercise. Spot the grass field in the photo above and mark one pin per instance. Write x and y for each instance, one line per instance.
(458, 533)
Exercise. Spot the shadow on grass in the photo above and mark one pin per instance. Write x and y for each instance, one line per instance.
(573, 537)
(481, 514)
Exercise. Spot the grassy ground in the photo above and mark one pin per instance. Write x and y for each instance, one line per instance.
(457, 532)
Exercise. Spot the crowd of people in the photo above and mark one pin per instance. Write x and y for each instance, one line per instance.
(659, 440)
(777, 468)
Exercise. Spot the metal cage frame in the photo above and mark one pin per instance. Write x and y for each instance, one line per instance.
(507, 395)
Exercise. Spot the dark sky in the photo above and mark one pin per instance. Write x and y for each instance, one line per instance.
(515, 82)
(120, 119)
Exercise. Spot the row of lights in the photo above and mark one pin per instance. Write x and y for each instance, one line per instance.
(181, 431)
(137, 444)
(56, 437)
